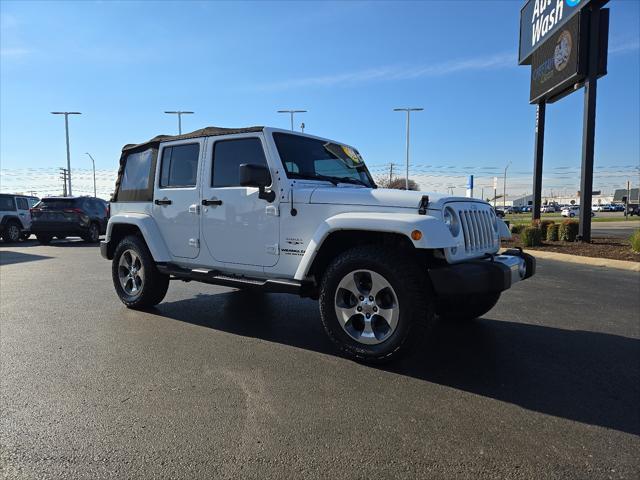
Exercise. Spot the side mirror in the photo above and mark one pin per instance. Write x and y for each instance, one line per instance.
(252, 175)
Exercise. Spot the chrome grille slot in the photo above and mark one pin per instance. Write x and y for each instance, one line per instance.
(477, 229)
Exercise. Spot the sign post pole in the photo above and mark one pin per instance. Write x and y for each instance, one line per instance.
(589, 127)
(538, 155)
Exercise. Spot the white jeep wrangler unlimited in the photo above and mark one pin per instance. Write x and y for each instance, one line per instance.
(270, 209)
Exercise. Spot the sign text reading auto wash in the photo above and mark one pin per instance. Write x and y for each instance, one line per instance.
(540, 18)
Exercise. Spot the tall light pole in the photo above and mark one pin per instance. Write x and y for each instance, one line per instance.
(292, 112)
(66, 130)
(94, 173)
(179, 113)
(408, 110)
(504, 187)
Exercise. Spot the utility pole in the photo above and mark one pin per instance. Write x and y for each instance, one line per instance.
(302, 127)
(66, 130)
(63, 177)
(390, 173)
(504, 188)
(408, 110)
(291, 113)
(179, 113)
(94, 174)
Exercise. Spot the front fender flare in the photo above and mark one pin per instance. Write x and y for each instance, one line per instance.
(149, 230)
(435, 233)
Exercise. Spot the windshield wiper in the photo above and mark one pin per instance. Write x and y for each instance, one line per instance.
(317, 176)
(355, 181)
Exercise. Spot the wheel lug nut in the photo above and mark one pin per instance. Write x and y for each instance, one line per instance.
(368, 315)
(361, 298)
(375, 309)
(359, 309)
(371, 299)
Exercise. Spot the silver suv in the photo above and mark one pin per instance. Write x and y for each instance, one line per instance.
(15, 217)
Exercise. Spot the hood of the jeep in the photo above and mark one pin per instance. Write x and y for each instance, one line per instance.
(378, 197)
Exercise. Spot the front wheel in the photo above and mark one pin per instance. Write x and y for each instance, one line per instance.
(472, 307)
(372, 303)
(136, 279)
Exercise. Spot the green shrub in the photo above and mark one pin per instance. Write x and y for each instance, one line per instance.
(544, 227)
(531, 237)
(517, 228)
(568, 231)
(552, 232)
(635, 241)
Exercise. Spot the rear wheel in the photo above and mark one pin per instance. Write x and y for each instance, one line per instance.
(93, 235)
(11, 232)
(44, 239)
(471, 307)
(136, 279)
(372, 303)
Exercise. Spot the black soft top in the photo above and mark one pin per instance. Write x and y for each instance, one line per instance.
(203, 132)
(146, 194)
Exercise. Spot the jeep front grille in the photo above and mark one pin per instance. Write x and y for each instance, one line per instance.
(477, 228)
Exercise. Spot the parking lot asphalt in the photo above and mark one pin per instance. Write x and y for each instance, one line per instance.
(622, 229)
(218, 383)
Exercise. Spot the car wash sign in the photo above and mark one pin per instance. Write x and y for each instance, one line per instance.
(540, 19)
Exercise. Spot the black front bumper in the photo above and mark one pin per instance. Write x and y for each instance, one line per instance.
(478, 277)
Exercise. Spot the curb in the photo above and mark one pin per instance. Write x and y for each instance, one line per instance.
(594, 262)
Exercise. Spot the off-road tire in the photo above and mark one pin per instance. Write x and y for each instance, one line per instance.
(155, 285)
(93, 234)
(11, 232)
(410, 285)
(44, 239)
(469, 308)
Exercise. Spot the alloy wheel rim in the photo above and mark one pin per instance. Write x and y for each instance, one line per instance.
(131, 273)
(14, 233)
(367, 307)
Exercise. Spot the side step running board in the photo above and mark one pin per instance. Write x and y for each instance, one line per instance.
(217, 278)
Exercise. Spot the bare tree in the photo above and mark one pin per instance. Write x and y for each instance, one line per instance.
(396, 183)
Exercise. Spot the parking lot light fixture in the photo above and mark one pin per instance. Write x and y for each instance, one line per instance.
(179, 113)
(93, 162)
(408, 110)
(291, 113)
(66, 130)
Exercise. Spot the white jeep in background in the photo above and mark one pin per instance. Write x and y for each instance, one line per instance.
(262, 208)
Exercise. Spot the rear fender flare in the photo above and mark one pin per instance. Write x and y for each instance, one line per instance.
(149, 230)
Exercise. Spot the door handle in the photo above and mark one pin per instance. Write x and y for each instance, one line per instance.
(213, 201)
(164, 201)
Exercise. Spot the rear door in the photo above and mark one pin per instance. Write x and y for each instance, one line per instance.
(176, 196)
(23, 212)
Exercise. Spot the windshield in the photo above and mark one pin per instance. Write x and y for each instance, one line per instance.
(310, 158)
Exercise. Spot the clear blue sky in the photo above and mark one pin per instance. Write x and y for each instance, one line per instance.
(349, 63)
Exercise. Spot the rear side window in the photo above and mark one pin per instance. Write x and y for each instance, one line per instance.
(22, 204)
(7, 203)
(179, 166)
(136, 171)
(57, 203)
(228, 155)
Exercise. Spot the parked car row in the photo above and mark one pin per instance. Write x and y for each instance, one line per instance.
(52, 217)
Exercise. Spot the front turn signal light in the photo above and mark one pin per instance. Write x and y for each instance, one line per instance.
(416, 235)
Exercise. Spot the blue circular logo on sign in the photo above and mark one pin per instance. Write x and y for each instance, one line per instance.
(572, 3)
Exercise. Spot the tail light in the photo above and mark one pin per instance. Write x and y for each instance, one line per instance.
(107, 211)
(34, 210)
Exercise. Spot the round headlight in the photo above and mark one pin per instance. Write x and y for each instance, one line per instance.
(451, 221)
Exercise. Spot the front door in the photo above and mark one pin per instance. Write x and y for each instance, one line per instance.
(237, 226)
(176, 196)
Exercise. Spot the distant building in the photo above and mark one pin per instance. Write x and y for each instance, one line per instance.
(634, 195)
